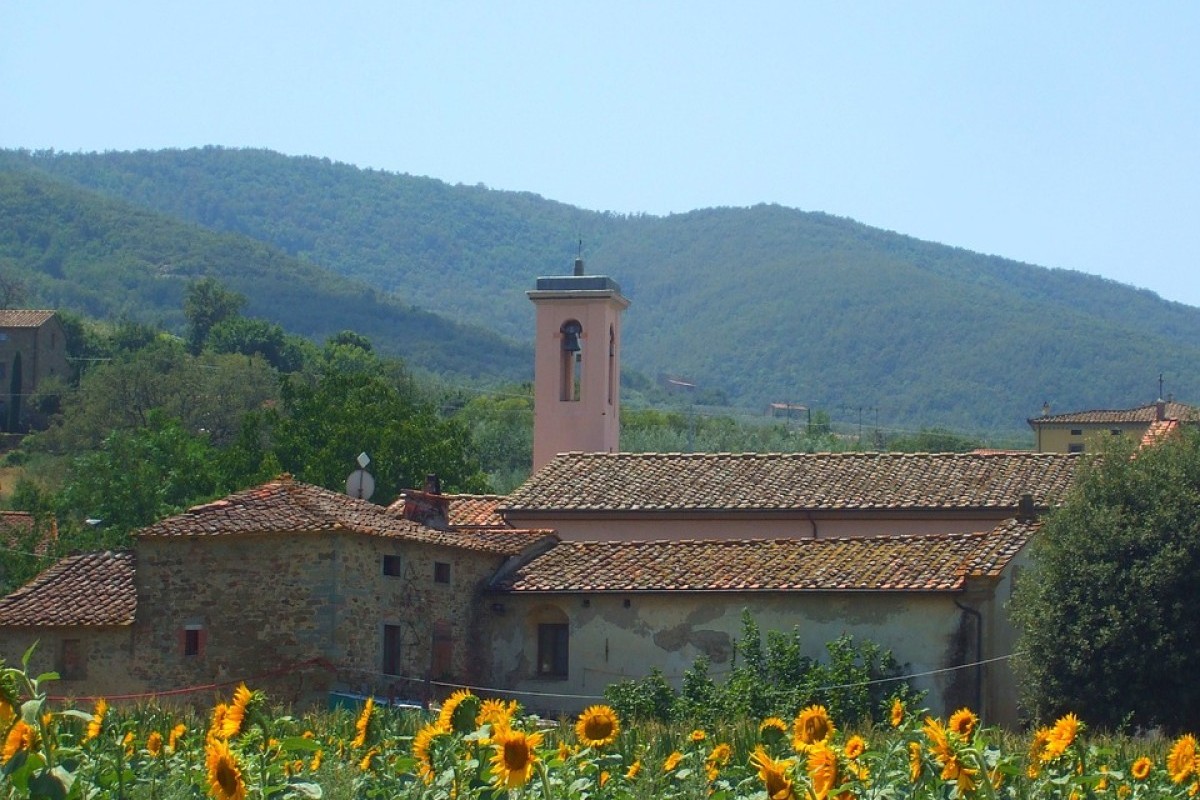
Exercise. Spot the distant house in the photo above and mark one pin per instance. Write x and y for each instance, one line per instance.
(32, 349)
(1083, 431)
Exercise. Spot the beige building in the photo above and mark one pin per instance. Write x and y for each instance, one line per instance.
(1086, 431)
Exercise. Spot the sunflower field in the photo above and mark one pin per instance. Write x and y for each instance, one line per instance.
(489, 748)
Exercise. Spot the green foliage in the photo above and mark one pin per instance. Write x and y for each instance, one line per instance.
(139, 476)
(320, 428)
(206, 303)
(779, 680)
(1108, 608)
(933, 440)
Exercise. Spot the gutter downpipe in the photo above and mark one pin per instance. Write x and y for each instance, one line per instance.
(978, 654)
(812, 522)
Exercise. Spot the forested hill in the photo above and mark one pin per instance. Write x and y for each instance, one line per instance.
(107, 259)
(761, 304)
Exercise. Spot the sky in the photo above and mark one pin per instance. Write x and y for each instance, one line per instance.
(1058, 134)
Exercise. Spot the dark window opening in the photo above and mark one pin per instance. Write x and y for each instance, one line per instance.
(391, 566)
(1074, 448)
(391, 649)
(72, 662)
(1077, 431)
(553, 653)
(441, 663)
(441, 572)
(193, 641)
(1115, 431)
(571, 368)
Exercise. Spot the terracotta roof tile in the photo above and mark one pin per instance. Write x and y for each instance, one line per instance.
(468, 510)
(793, 481)
(91, 589)
(23, 318)
(940, 562)
(286, 505)
(1159, 430)
(1146, 413)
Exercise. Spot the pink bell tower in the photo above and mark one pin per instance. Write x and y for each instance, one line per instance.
(577, 365)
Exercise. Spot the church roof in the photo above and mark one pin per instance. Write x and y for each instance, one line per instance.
(737, 482)
(932, 563)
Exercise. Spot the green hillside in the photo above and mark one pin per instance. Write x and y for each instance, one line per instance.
(761, 304)
(107, 259)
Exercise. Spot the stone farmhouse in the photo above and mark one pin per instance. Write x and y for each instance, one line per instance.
(600, 567)
(33, 348)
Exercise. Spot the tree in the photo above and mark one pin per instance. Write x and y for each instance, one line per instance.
(252, 337)
(1109, 608)
(205, 303)
(318, 431)
(139, 476)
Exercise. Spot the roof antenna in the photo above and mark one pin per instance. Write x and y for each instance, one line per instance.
(579, 258)
(1160, 386)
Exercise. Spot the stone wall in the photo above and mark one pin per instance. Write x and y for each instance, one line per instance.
(300, 614)
(93, 662)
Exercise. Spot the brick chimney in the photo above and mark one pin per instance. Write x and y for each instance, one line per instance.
(1160, 410)
(429, 506)
(1025, 509)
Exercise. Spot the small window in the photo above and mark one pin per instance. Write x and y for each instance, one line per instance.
(72, 662)
(193, 640)
(391, 566)
(391, 650)
(1074, 448)
(1115, 431)
(553, 653)
(441, 572)
(1077, 431)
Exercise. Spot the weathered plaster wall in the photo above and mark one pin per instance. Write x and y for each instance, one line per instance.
(631, 528)
(612, 641)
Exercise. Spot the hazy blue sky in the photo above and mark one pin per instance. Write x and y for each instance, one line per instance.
(1060, 134)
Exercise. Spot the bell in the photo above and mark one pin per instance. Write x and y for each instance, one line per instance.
(570, 342)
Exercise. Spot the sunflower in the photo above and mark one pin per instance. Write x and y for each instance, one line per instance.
(154, 743)
(96, 723)
(1038, 744)
(672, 761)
(1141, 768)
(597, 726)
(897, 712)
(939, 740)
(1181, 762)
(459, 711)
(822, 770)
(698, 735)
(21, 736)
(914, 761)
(218, 719)
(515, 756)
(717, 757)
(771, 730)
(963, 722)
(235, 715)
(634, 770)
(1061, 736)
(363, 724)
(773, 774)
(955, 770)
(364, 764)
(855, 747)
(812, 725)
(175, 735)
(224, 773)
(315, 764)
(422, 746)
(496, 712)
